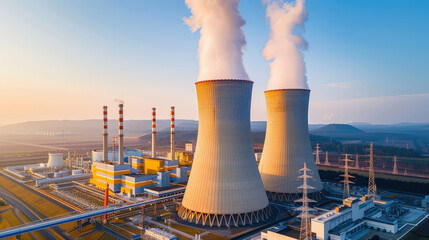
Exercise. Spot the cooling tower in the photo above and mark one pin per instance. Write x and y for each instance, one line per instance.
(55, 160)
(287, 145)
(224, 188)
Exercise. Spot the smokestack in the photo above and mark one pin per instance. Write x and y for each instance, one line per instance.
(153, 132)
(172, 133)
(224, 188)
(105, 142)
(287, 145)
(121, 134)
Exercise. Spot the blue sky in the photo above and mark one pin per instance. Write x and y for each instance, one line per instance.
(367, 60)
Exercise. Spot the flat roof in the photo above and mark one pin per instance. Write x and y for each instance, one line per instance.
(159, 189)
(289, 232)
(137, 174)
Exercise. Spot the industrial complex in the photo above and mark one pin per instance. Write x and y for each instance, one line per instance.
(218, 188)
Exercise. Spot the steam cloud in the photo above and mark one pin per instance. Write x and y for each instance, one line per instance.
(119, 100)
(285, 44)
(222, 39)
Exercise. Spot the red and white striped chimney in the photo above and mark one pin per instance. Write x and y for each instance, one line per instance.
(121, 134)
(172, 133)
(105, 146)
(153, 132)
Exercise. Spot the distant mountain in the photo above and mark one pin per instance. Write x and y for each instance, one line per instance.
(336, 130)
(94, 126)
(90, 127)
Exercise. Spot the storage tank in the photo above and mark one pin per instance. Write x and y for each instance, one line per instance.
(287, 145)
(55, 160)
(225, 187)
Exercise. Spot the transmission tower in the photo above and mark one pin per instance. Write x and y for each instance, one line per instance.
(305, 230)
(347, 176)
(317, 154)
(372, 189)
(395, 165)
(357, 161)
(327, 159)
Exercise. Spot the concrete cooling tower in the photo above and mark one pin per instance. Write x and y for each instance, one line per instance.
(224, 188)
(55, 160)
(287, 145)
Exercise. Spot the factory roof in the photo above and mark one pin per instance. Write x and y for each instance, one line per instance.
(290, 232)
(161, 232)
(136, 175)
(345, 226)
(165, 190)
(332, 214)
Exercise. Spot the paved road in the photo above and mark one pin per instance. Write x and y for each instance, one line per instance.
(32, 216)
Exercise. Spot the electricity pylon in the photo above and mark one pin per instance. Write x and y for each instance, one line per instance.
(317, 154)
(305, 230)
(347, 176)
(372, 189)
(327, 159)
(395, 165)
(357, 161)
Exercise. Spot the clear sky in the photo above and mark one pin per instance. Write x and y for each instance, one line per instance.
(367, 60)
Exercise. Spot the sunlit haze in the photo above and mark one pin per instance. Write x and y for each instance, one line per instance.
(366, 60)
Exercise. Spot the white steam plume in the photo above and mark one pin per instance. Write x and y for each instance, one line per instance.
(119, 100)
(222, 39)
(285, 44)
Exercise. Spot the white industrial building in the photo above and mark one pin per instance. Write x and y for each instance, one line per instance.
(354, 215)
(158, 234)
(97, 155)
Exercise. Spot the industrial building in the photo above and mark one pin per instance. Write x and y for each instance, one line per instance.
(287, 145)
(224, 188)
(158, 234)
(113, 156)
(139, 173)
(351, 217)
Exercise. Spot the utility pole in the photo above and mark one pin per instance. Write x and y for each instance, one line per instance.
(372, 189)
(305, 230)
(347, 176)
